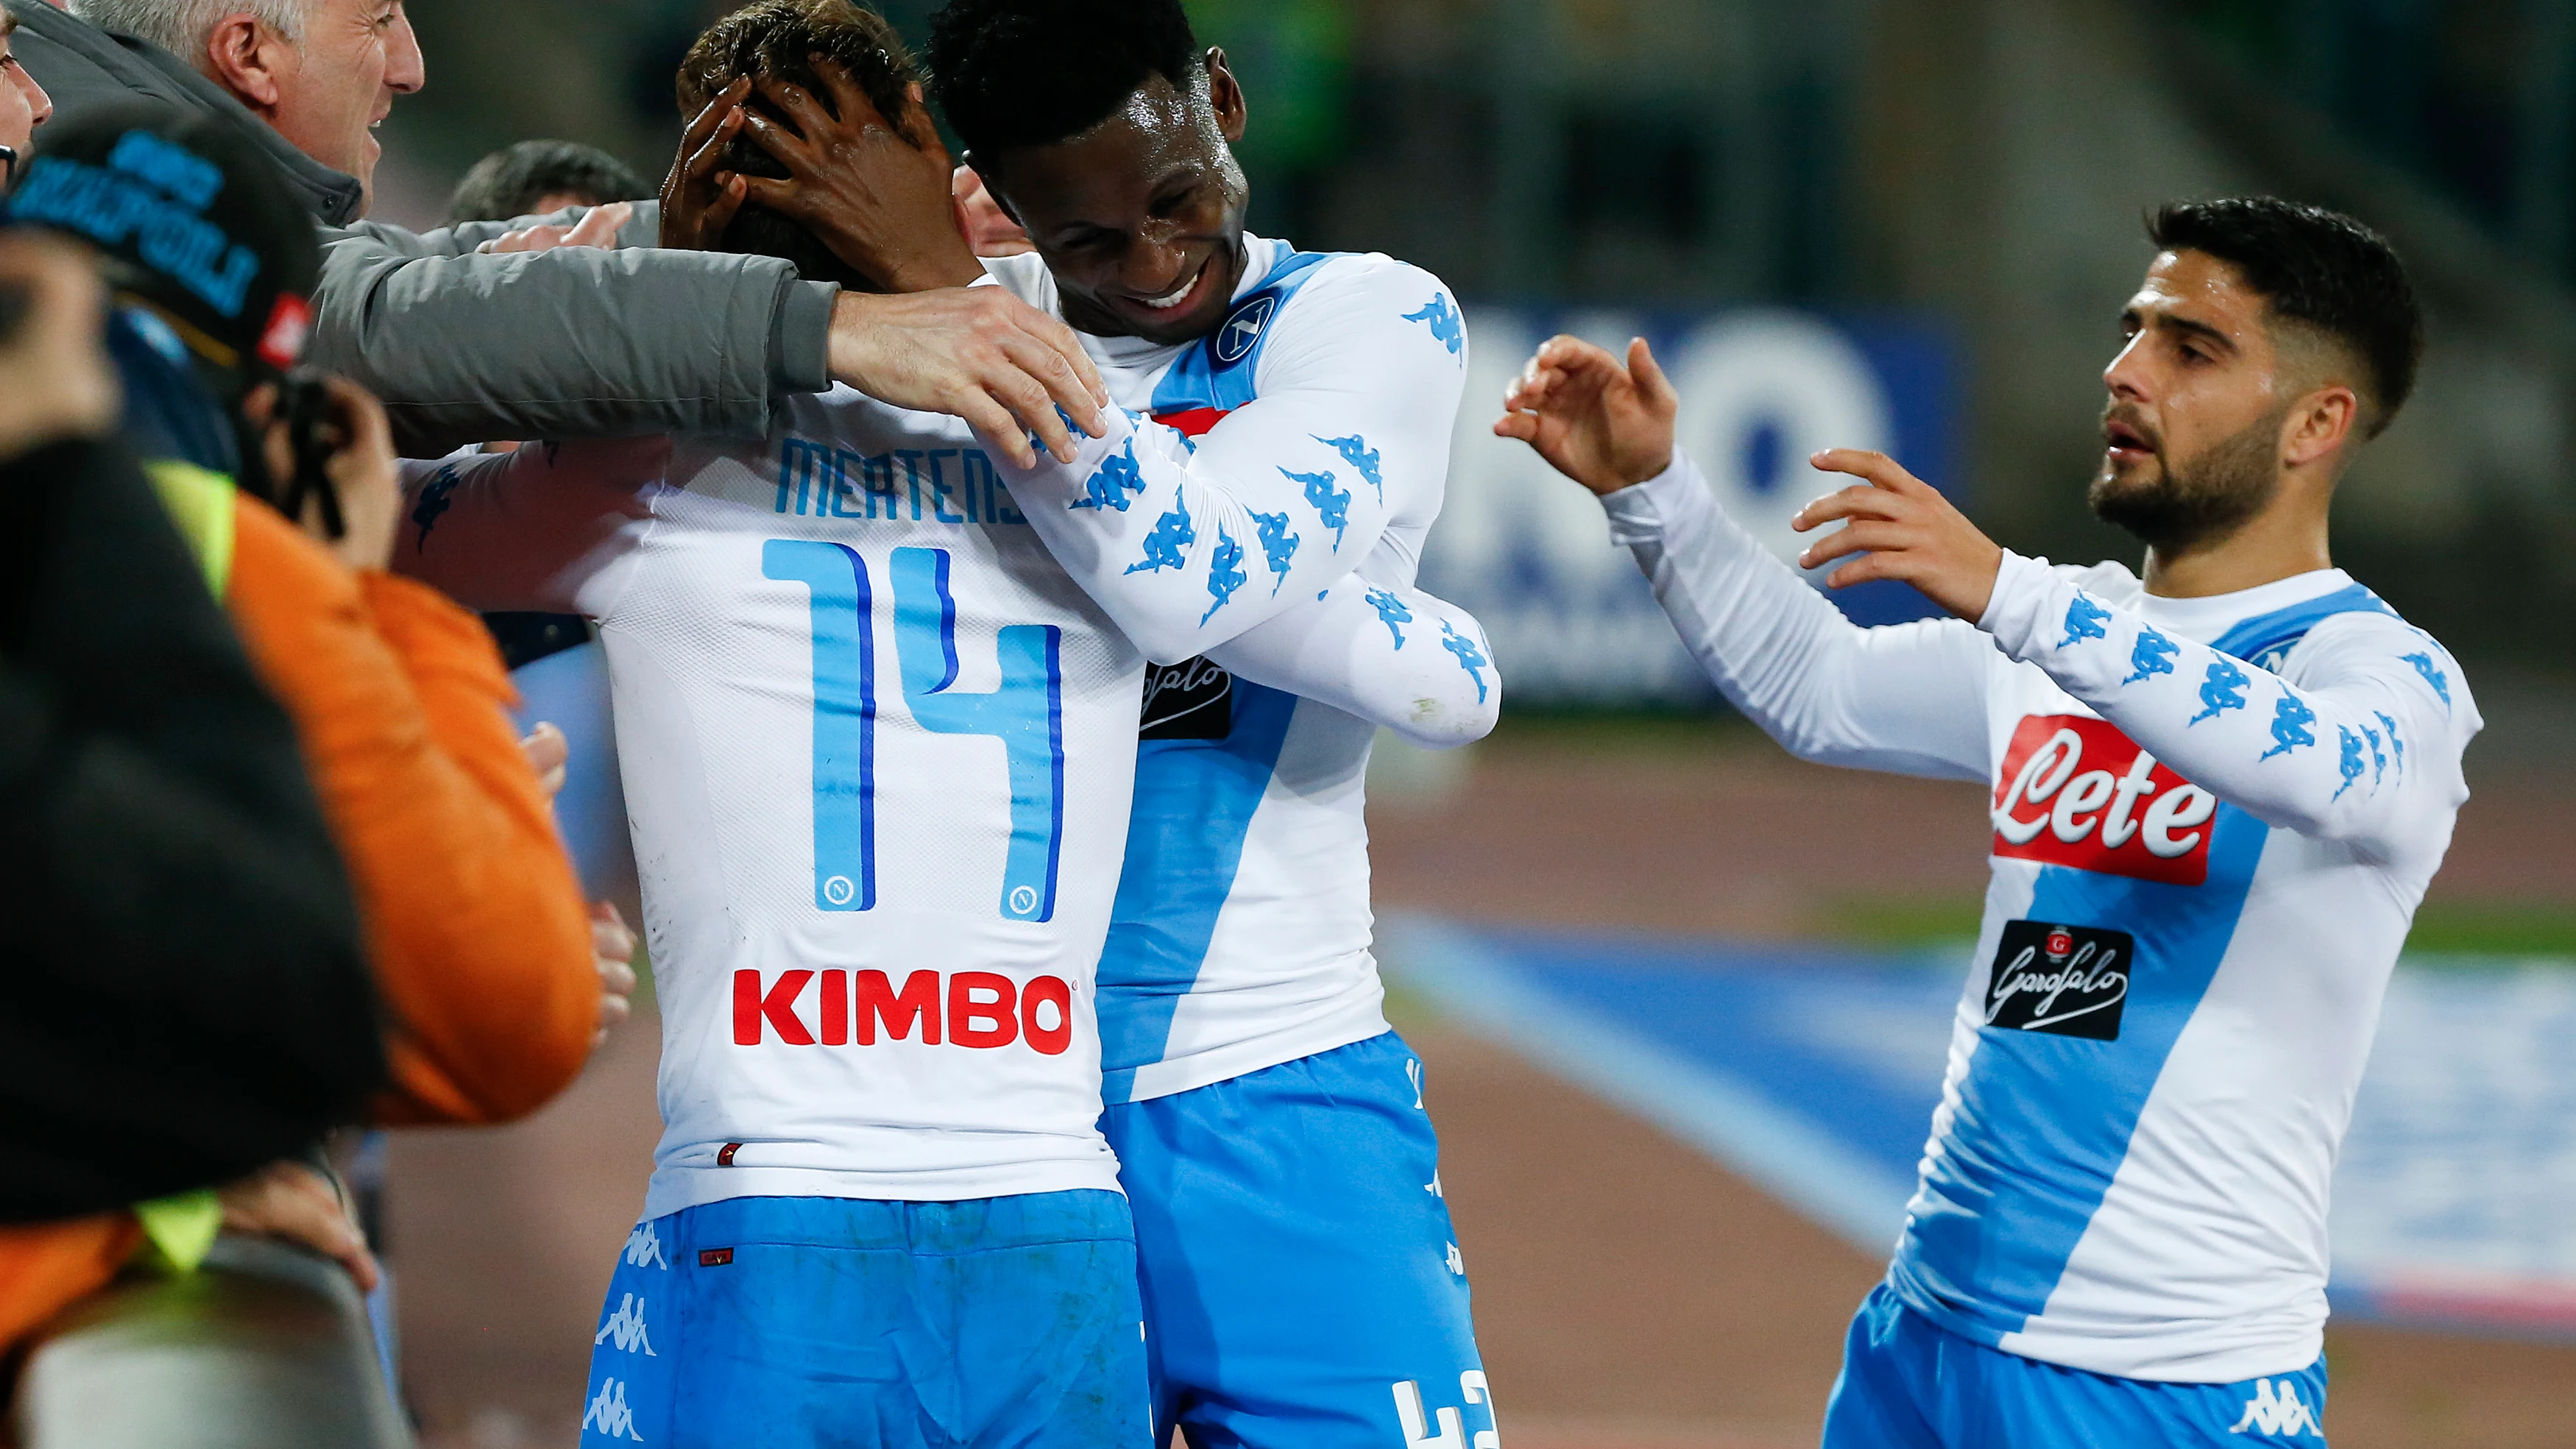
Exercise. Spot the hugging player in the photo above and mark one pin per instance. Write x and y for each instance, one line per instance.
(2219, 794)
(878, 744)
(1302, 1282)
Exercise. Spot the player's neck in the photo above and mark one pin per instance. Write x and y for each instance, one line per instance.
(2283, 541)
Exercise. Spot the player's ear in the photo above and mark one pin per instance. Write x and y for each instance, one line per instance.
(2324, 423)
(1225, 96)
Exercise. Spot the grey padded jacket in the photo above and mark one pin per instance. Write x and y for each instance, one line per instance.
(464, 346)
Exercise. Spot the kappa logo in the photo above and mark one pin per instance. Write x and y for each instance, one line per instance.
(625, 1328)
(608, 1413)
(1446, 1428)
(1234, 340)
(2279, 1410)
(644, 1248)
(2084, 620)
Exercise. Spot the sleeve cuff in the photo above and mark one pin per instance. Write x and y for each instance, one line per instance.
(1644, 512)
(2022, 589)
(800, 338)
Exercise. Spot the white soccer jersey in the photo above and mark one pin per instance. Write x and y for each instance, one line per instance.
(2213, 819)
(878, 750)
(1321, 412)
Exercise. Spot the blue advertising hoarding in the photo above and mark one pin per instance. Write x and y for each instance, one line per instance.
(1570, 620)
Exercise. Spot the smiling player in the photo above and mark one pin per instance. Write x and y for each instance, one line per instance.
(2219, 794)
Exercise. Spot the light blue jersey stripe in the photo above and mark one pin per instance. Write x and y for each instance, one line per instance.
(2044, 1121)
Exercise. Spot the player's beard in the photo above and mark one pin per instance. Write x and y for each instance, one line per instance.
(2195, 501)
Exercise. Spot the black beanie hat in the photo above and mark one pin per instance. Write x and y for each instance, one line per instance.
(188, 216)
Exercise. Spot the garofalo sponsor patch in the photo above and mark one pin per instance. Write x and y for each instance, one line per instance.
(1193, 700)
(2067, 980)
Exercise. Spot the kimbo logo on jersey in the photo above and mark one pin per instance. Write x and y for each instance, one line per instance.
(2074, 791)
(982, 1009)
(2065, 980)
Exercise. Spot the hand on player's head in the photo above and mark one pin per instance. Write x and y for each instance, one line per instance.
(874, 189)
(1602, 424)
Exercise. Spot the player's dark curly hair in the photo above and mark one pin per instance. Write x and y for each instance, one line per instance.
(2316, 267)
(1032, 72)
(774, 38)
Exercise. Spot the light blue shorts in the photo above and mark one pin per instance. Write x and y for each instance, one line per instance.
(1303, 1286)
(1908, 1383)
(799, 1322)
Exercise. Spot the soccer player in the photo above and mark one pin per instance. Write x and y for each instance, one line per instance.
(879, 748)
(1302, 1282)
(2219, 793)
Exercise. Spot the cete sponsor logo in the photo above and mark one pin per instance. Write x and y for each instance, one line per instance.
(2076, 792)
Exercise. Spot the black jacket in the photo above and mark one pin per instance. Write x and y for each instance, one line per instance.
(184, 996)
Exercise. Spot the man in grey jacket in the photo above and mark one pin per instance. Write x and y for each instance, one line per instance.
(574, 342)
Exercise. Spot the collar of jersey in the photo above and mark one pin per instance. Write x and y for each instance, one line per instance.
(2207, 618)
(1261, 256)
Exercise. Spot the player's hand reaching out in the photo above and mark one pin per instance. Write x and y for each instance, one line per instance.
(1603, 425)
(1904, 529)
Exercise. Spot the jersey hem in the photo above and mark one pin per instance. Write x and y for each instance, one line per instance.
(1166, 1078)
(674, 1189)
(2164, 1359)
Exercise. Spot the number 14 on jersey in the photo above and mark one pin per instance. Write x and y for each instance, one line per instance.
(1025, 711)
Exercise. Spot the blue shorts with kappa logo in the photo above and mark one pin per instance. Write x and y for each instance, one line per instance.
(802, 1322)
(1303, 1286)
(1908, 1383)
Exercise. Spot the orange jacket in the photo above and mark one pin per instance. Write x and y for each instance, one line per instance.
(46, 1267)
(475, 922)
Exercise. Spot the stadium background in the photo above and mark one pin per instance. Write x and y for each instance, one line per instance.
(1664, 977)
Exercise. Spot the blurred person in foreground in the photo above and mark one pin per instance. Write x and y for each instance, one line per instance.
(1302, 1279)
(285, 482)
(2219, 793)
(187, 999)
(574, 341)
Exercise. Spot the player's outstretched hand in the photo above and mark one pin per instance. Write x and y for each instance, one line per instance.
(290, 1201)
(875, 191)
(978, 353)
(1904, 529)
(1605, 426)
(700, 193)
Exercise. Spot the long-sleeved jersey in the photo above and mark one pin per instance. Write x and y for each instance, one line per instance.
(2213, 819)
(878, 750)
(1321, 411)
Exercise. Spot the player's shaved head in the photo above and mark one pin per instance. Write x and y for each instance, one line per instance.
(1100, 127)
(2340, 302)
(1033, 72)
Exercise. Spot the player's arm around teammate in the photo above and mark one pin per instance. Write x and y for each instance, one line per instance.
(1347, 432)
